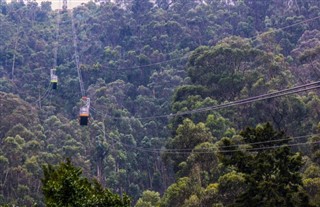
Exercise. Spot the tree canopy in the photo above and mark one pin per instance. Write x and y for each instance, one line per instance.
(63, 185)
(167, 82)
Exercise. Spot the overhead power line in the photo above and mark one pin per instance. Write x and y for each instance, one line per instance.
(274, 141)
(280, 93)
(301, 22)
(207, 151)
(286, 27)
(284, 92)
(185, 56)
(223, 150)
(44, 96)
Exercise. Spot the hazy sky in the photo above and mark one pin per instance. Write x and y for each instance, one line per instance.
(56, 4)
(71, 3)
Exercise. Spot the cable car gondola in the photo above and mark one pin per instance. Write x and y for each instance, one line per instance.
(84, 111)
(54, 78)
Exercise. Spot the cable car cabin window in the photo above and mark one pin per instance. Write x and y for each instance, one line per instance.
(84, 111)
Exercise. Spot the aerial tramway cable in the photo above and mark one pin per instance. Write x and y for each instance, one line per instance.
(84, 112)
(76, 56)
(53, 76)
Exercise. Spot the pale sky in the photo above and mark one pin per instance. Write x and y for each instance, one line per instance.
(57, 4)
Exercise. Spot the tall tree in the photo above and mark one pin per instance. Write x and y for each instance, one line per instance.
(272, 174)
(63, 185)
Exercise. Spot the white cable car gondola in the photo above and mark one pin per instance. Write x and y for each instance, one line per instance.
(54, 78)
(84, 111)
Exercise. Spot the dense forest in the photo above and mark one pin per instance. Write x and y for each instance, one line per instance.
(193, 102)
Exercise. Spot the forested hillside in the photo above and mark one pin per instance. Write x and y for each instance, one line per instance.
(193, 102)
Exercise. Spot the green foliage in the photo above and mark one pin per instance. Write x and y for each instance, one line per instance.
(183, 92)
(272, 176)
(231, 185)
(223, 68)
(63, 185)
(176, 193)
(312, 185)
(149, 199)
(188, 136)
(118, 42)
